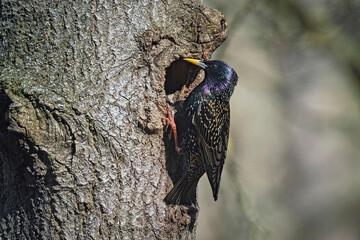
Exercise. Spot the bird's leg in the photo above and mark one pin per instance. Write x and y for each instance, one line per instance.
(171, 121)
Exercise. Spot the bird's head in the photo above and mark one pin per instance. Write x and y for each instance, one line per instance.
(220, 78)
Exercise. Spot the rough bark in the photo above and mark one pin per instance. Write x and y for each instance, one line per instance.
(82, 99)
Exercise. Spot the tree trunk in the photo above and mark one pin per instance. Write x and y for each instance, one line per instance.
(81, 105)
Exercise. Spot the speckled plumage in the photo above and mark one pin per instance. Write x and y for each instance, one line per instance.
(206, 119)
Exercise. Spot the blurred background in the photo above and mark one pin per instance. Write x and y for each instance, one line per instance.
(293, 166)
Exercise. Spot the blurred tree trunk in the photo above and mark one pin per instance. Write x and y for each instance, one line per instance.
(81, 102)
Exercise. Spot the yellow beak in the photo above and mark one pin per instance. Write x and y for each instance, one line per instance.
(196, 62)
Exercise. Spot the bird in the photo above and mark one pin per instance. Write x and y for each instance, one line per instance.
(205, 118)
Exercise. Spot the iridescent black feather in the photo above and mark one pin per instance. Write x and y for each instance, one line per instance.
(206, 119)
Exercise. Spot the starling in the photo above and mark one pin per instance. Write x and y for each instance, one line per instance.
(205, 118)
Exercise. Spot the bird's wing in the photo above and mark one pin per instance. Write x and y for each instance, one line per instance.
(212, 121)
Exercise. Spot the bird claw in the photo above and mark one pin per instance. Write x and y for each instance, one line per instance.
(171, 121)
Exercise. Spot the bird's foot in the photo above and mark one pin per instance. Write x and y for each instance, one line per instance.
(171, 121)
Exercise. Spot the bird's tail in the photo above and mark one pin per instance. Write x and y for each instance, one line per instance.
(184, 192)
(214, 180)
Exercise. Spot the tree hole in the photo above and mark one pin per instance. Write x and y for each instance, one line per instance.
(180, 73)
(181, 78)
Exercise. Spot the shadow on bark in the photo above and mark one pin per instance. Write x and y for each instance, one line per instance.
(16, 183)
